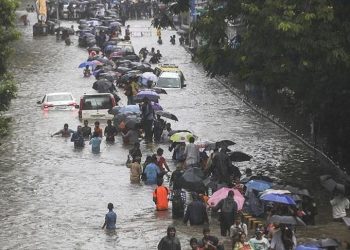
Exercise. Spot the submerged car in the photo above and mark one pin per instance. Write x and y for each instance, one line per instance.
(96, 106)
(169, 76)
(58, 101)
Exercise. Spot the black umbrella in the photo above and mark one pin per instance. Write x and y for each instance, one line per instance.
(262, 178)
(192, 179)
(238, 156)
(123, 70)
(160, 90)
(167, 115)
(289, 220)
(94, 48)
(331, 185)
(104, 60)
(224, 143)
(132, 123)
(102, 86)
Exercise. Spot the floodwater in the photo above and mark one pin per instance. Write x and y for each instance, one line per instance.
(55, 197)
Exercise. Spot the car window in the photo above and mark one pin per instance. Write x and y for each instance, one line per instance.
(164, 82)
(58, 98)
(97, 102)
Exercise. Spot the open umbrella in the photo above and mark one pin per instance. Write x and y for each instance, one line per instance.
(224, 143)
(132, 123)
(160, 90)
(324, 243)
(172, 132)
(275, 191)
(126, 109)
(87, 63)
(151, 95)
(104, 60)
(156, 106)
(279, 198)
(238, 156)
(307, 247)
(103, 86)
(94, 48)
(289, 220)
(181, 137)
(331, 185)
(167, 115)
(222, 194)
(148, 76)
(258, 185)
(192, 179)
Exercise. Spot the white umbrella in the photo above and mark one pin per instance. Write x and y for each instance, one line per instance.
(145, 77)
(275, 191)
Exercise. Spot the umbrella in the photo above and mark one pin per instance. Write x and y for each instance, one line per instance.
(172, 132)
(115, 24)
(148, 76)
(324, 243)
(167, 115)
(104, 60)
(224, 143)
(238, 156)
(275, 191)
(289, 220)
(181, 137)
(258, 185)
(94, 48)
(156, 106)
(126, 109)
(306, 247)
(160, 91)
(87, 63)
(151, 95)
(279, 198)
(102, 86)
(192, 179)
(330, 184)
(222, 194)
(132, 123)
(263, 178)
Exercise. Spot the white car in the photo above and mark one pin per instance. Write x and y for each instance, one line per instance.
(58, 101)
(96, 106)
(170, 80)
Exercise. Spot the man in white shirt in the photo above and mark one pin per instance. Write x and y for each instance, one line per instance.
(191, 153)
(339, 206)
(259, 242)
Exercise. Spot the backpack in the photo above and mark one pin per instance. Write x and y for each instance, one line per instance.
(228, 206)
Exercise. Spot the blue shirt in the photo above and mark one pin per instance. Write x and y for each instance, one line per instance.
(95, 142)
(151, 171)
(111, 219)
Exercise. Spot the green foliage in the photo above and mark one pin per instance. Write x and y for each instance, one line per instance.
(8, 91)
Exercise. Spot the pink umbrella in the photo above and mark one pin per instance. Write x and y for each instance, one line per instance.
(222, 194)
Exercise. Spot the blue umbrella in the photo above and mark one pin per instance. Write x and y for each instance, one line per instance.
(258, 185)
(87, 63)
(151, 95)
(135, 109)
(303, 247)
(279, 198)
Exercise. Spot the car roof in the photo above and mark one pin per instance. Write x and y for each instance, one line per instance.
(59, 93)
(98, 94)
(169, 68)
(169, 75)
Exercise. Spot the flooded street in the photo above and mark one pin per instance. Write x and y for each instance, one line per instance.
(55, 197)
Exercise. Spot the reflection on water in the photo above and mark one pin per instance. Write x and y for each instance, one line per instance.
(53, 196)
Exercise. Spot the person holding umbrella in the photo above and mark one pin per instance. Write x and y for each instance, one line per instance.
(196, 212)
(147, 114)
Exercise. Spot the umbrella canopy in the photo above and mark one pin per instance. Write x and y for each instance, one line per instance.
(224, 143)
(132, 123)
(148, 76)
(181, 137)
(222, 194)
(115, 24)
(279, 198)
(323, 243)
(275, 191)
(151, 95)
(289, 220)
(238, 156)
(90, 63)
(94, 48)
(258, 185)
(331, 185)
(160, 90)
(135, 109)
(293, 190)
(172, 132)
(306, 247)
(156, 106)
(167, 115)
(103, 86)
(192, 179)
(104, 60)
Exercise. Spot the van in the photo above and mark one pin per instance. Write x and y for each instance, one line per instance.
(169, 76)
(96, 106)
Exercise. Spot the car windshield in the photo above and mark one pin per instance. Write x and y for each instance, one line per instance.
(164, 82)
(97, 102)
(59, 98)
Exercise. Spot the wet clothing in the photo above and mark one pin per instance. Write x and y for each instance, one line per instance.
(111, 220)
(131, 136)
(178, 198)
(192, 154)
(86, 131)
(65, 133)
(135, 172)
(147, 120)
(196, 213)
(277, 242)
(228, 207)
(262, 244)
(135, 152)
(169, 243)
(110, 132)
(160, 198)
(221, 167)
(339, 206)
(151, 172)
(175, 179)
(78, 140)
(95, 143)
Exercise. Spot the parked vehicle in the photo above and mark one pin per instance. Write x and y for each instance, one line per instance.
(96, 106)
(58, 101)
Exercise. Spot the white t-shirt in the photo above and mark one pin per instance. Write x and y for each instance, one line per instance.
(339, 206)
(262, 244)
(277, 243)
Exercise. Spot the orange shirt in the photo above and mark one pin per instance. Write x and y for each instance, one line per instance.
(160, 196)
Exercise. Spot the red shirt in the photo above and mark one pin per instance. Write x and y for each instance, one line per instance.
(161, 162)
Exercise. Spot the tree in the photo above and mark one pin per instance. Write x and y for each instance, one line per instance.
(8, 34)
